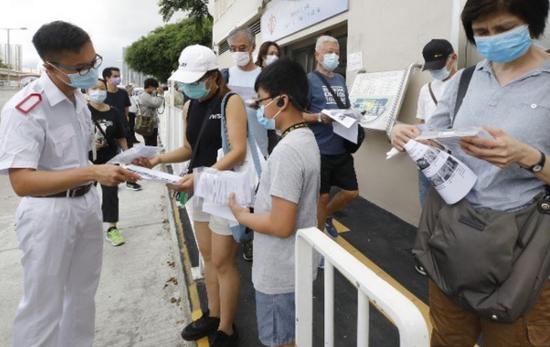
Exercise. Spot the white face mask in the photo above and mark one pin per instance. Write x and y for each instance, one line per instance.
(241, 58)
(270, 59)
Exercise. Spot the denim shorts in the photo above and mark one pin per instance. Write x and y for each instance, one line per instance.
(276, 321)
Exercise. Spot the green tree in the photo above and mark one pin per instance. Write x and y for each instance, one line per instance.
(157, 53)
(197, 9)
(2, 65)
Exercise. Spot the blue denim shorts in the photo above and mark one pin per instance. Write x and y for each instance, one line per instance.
(276, 321)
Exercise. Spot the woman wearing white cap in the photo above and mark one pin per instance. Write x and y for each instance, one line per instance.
(199, 78)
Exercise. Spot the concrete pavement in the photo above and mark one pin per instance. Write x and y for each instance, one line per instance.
(141, 299)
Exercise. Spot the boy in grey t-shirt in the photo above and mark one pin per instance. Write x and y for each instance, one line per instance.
(286, 200)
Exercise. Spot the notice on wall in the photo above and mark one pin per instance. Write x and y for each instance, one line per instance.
(355, 61)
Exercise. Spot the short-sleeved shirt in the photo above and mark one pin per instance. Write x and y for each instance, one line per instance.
(112, 129)
(521, 109)
(120, 99)
(292, 173)
(55, 135)
(426, 103)
(320, 98)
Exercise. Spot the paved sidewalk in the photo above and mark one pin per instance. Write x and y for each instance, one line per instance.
(141, 299)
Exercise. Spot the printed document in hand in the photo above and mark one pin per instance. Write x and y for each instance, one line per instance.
(153, 175)
(345, 117)
(452, 179)
(129, 155)
(452, 133)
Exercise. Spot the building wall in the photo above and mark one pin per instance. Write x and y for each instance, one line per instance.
(390, 34)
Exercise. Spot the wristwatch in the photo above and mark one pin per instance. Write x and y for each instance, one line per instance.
(539, 165)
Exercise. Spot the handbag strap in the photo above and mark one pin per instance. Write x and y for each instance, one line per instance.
(329, 87)
(463, 85)
(432, 93)
(250, 137)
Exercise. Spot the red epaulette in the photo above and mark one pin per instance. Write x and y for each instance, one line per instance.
(29, 103)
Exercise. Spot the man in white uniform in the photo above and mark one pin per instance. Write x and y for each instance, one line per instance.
(45, 138)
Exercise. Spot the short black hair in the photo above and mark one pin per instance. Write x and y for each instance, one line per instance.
(52, 39)
(533, 12)
(150, 82)
(108, 71)
(285, 76)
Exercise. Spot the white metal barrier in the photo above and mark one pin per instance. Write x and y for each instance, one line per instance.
(171, 129)
(413, 331)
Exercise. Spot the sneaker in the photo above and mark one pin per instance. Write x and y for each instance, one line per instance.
(221, 339)
(420, 269)
(330, 228)
(114, 236)
(200, 328)
(133, 186)
(247, 251)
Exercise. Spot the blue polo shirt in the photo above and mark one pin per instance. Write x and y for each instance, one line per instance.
(320, 98)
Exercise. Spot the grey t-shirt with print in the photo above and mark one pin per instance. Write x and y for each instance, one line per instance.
(292, 173)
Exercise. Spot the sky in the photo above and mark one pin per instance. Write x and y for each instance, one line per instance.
(112, 24)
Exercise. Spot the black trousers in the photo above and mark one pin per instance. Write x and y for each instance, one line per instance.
(109, 204)
(152, 140)
(132, 125)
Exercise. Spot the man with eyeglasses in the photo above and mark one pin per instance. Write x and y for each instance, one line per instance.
(46, 134)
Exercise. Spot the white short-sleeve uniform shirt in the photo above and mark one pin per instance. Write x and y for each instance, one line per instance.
(55, 135)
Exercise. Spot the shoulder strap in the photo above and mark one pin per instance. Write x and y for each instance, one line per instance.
(338, 101)
(225, 74)
(432, 93)
(250, 136)
(195, 146)
(465, 79)
(99, 128)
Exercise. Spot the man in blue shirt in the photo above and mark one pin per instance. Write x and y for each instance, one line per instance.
(336, 162)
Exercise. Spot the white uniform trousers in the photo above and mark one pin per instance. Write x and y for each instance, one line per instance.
(62, 244)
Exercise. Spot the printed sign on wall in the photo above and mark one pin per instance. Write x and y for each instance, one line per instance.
(285, 17)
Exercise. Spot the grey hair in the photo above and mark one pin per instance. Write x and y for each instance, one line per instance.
(242, 30)
(321, 40)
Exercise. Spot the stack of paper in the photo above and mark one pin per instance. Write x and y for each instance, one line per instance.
(133, 153)
(153, 175)
(346, 123)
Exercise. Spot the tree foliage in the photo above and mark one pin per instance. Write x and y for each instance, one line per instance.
(197, 9)
(157, 53)
(2, 65)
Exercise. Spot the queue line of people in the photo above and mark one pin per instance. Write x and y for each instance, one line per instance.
(505, 89)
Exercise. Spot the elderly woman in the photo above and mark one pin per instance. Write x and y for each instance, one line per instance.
(508, 95)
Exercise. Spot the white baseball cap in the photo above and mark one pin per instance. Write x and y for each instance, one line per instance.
(194, 62)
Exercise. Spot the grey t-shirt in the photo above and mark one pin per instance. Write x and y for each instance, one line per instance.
(521, 109)
(292, 173)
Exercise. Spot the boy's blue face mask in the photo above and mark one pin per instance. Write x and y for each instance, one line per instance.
(79, 81)
(268, 123)
(441, 74)
(506, 47)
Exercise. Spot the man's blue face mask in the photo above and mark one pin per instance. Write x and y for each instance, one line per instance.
(506, 47)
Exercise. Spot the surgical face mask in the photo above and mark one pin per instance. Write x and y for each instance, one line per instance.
(506, 47)
(270, 59)
(330, 61)
(97, 95)
(195, 90)
(78, 81)
(241, 58)
(441, 74)
(116, 81)
(268, 123)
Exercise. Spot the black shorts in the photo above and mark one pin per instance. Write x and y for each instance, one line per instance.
(338, 170)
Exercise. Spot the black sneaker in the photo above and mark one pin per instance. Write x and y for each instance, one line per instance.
(200, 328)
(247, 251)
(221, 339)
(133, 186)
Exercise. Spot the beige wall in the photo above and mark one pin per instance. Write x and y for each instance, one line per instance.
(229, 14)
(391, 35)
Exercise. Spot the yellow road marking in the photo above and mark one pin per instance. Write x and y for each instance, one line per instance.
(341, 228)
(196, 311)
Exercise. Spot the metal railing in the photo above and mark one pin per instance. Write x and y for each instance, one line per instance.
(413, 331)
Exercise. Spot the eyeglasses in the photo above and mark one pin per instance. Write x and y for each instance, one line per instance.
(83, 69)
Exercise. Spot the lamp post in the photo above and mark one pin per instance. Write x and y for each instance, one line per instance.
(8, 61)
